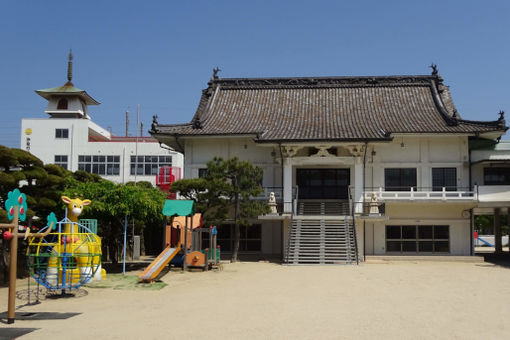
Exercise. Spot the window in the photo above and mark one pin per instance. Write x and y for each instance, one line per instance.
(101, 165)
(496, 176)
(62, 133)
(444, 178)
(250, 239)
(62, 104)
(149, 165)
(417, 239)
(61, 160)
(400, 179)
(202, 172)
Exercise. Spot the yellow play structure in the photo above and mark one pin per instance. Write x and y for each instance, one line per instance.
(69, 257)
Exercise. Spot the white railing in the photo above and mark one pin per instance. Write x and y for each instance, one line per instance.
(422, 194)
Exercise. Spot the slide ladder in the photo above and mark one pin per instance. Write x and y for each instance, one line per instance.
(153, 270)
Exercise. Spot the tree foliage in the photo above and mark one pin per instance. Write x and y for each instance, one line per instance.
(226, 191)
(45, 184)
(112, 202)
(41, 183)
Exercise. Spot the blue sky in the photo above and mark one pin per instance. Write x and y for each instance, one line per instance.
(160, 54)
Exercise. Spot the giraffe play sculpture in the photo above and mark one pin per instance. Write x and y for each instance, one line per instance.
(68, 257)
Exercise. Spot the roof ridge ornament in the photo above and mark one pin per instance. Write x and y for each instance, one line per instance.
(154, 123)
(434, 69)
(215, 73)
(70, 67)
(501, 115)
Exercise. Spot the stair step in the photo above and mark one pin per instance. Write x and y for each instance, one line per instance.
(320, 242)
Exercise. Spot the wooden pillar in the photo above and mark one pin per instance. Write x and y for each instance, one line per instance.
(287, 186)
(497, 231)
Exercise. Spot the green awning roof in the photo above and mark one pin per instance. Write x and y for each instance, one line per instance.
(178, 208)
(67, 90)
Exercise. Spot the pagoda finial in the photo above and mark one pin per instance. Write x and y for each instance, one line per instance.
(70, 66)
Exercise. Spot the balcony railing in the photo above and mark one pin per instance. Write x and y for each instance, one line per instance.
(423, 194)
(287, 207)
(278, 193)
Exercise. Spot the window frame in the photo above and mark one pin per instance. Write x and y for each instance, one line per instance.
(227, 243)
(100, 164)
(443, 180)
(61, 133)
(402, 179)
(495, 170)
(434, 240)
(148, 165)
(63, 161)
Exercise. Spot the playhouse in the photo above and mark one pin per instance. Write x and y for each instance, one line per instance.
(183, 241)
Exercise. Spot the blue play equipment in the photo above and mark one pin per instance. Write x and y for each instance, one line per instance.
(483, 241)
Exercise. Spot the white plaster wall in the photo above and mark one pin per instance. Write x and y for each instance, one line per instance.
(478, 169)
(45, 146)
(422, 153)
(201, 150)
(272, 238)
(477, 173)
(74, 104)
(374, 236)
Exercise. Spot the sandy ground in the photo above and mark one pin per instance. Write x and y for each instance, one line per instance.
(396, 300)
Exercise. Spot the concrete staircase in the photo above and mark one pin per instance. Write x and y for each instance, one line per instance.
(321, 241)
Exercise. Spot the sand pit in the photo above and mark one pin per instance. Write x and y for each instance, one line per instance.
(421, 300)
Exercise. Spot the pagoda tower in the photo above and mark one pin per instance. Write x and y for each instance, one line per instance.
(67, 101)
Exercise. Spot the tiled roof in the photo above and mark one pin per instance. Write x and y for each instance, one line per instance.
(67, 90)
(333, 108)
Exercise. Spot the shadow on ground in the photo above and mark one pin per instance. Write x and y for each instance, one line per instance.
(115, 268)
(14, 333)
(502, 260)
(37, 316)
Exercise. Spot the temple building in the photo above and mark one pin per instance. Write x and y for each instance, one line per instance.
(359, 166)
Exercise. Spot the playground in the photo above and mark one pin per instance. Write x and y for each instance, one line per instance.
(200, 297)
(401, 299)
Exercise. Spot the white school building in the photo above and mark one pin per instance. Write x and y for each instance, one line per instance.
(359, 165)
(69, 137)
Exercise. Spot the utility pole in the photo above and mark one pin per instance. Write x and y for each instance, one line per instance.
(127, 122)
(136, 141)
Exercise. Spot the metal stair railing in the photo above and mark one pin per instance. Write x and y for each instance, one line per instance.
(289, 234)
(354, 232)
